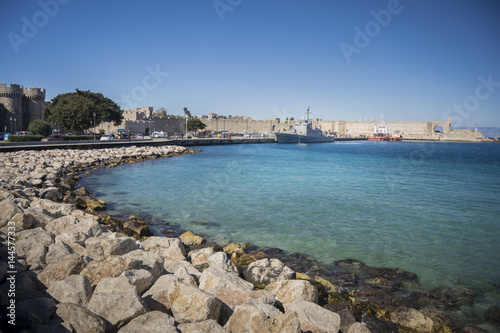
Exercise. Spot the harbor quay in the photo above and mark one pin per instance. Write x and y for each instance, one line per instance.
(70, 264)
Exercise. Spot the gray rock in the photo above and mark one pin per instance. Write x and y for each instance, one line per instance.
(151, 262)
(287, 291)
(267, 270)
(115, 243)
(61, 269)
(249, 318)
(81, 319)
(140, 278)
(313, 317)
(156, 297)
(110, 266)
(184, 276)
(151, 322)
(217, 278)
(73, 229)
(36, 256)
(171, 266)
(74, 289)
(199, 257)
(57, 251)
(116, 300)
(8, 208)
(207, 326)
(168, 248)
(55, 208)
(221, 260)
(190, 304)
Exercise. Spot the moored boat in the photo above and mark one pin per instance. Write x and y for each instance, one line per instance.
(303, 132)
(381, 133)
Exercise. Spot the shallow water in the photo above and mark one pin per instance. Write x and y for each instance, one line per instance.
(429, 208)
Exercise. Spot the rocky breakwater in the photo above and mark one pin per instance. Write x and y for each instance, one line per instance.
(63, 269)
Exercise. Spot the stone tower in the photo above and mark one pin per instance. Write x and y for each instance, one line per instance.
(21, 105)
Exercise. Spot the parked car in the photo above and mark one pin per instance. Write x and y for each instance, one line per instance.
(53, 137)
(139, 136)
(107, 137)
(160, 134)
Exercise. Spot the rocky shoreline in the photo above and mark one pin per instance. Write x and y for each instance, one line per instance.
(67, 266)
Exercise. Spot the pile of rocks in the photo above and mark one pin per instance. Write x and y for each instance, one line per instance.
(73, 273)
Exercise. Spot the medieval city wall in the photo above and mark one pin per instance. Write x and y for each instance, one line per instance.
(21, 104)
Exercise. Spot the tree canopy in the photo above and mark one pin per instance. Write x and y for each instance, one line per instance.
(195, 124)
(40, 127)
(74, 111)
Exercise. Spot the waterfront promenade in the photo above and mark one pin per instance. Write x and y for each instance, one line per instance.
(15, 146)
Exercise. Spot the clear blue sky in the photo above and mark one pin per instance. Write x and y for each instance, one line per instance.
(352, 60)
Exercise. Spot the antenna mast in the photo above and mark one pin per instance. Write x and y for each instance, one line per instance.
(307, 112)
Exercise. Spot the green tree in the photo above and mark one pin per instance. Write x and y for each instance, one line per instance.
(40, 127)
(187, 112)
(195, 124)
(75, 111)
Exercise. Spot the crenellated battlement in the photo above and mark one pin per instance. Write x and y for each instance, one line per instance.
(20, 104)
(14, 90)
(34, 93)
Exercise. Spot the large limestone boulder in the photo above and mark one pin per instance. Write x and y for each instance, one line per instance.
(313, 317)
(151, 262)
(57, 251)
(80, 319)
(287, 291)
(72, 229)
(55, 208)
(140, 278)
(221, 260)
(74, 289)
(151, 322)
(190, 304)
(156, 297)
(250, 318)
(168, 248)
(201, 327)
(183, 274)
(116, 300)
(110, 266)
(61, 269)
(411, 319)
(18, 222)
(8, 208)
(199, 257)
(172, 266)
(266, 271)
(217, 278)
(36, 256)
(28, 239)
(115, 243)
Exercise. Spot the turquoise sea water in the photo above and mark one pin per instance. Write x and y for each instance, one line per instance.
(429, 208)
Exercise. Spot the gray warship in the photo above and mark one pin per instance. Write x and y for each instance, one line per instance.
(303, 133)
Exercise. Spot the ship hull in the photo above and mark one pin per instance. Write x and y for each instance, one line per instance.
(295, 138)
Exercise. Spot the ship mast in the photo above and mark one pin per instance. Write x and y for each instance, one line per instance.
(307, 112)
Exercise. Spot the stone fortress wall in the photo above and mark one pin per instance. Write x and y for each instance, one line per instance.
(141, 120)
(21, 104)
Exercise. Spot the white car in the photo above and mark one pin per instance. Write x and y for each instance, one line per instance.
(107, 137)
(159, 135)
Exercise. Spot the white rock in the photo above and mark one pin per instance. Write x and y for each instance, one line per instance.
(200, 257)
(151, 322)
(74, 289)
(140, 278)
(287, 291)
(168, 248)
(267, 270)
(313, 317)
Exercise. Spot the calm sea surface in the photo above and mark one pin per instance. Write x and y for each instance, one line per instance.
(429, 208)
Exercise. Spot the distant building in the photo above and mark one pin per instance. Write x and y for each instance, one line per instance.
(19, 106)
